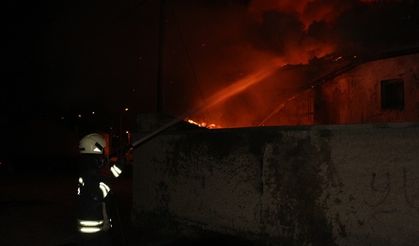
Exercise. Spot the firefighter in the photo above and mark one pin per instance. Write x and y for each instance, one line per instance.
(93, 189)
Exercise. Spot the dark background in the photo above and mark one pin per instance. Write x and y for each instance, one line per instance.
(63, 60)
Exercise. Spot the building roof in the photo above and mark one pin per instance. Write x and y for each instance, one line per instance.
(362, 60)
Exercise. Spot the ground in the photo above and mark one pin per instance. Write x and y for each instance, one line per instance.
(39, 208)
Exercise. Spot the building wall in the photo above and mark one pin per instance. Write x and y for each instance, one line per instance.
(355, 96)
(335, 185)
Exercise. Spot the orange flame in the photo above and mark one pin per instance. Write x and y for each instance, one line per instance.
(203, 124)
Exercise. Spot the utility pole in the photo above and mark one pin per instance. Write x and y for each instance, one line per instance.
(160, 55)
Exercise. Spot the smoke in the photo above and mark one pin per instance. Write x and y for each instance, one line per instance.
(306, 11)
(377, 26)
(296, 30)
(304, 29)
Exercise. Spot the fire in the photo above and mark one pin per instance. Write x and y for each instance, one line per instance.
(242, 77)
(203, 124)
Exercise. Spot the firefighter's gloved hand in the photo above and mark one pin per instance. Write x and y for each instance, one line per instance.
(121, 161)
(116, 170)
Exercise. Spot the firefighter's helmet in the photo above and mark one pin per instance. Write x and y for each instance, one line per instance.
(92, 144)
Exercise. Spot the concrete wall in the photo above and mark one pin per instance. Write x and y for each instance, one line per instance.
(334, 185)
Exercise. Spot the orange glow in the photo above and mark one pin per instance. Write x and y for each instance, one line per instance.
(242, 84)
(224, 108)
(203, 124)
(265, 92)
(252, 85)
(218, 103)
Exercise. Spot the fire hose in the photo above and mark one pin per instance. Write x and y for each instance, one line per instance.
(173, 122)
(154, 133)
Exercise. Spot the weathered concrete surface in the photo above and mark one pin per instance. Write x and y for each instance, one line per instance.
(374, 193)
(324, 185)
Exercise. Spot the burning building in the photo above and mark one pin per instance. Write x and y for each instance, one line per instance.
(255, 62)
(278, 172)
(301, 184)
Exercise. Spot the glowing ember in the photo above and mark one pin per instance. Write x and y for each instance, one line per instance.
(203, 124)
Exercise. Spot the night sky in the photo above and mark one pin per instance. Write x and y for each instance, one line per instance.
(71, 58)
(76, 56)
(65, 58)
